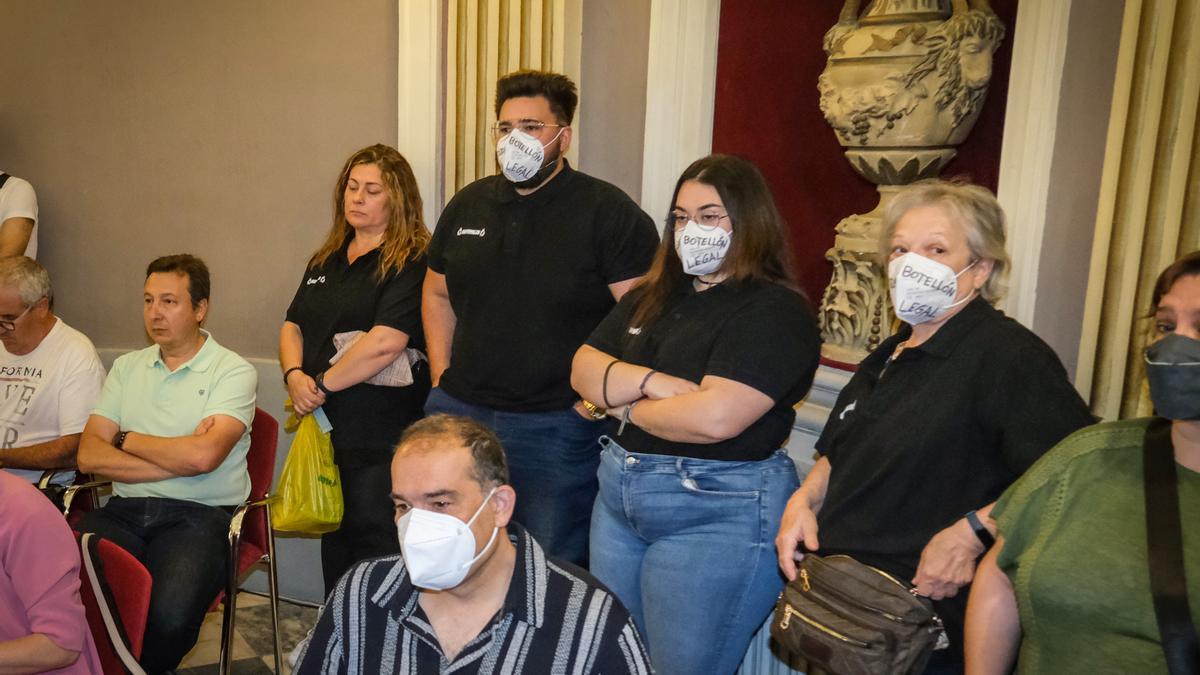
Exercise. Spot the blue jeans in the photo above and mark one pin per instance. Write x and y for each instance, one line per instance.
(185, 547)
(552, 460)
(688, 546)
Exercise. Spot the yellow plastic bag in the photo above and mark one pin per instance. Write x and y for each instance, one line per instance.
(310, 488)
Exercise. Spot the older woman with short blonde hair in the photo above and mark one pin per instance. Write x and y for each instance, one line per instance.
(940, 418)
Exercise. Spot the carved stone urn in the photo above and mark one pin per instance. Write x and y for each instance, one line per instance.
(903, 85)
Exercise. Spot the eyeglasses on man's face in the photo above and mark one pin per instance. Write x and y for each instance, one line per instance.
(9, 325)
(531, 127)
(679, 219)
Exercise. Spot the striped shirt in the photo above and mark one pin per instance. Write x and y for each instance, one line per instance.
(556, 618)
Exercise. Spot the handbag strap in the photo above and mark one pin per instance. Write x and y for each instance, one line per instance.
(1164, 535)
(3, 178)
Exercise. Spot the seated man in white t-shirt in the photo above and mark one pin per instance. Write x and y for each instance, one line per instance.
(18, 217)
(50, 376)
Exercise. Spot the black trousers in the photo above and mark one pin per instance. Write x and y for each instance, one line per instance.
(184, 545)
(368, 529)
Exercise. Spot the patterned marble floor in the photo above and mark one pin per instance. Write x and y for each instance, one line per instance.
(252, 645)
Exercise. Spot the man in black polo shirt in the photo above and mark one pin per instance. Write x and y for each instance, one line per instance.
(471, 592)
(522, 267)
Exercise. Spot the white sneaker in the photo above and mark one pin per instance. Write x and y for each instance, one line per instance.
(293, 656)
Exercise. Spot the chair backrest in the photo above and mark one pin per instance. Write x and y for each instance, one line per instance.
(260, 459)
(260, 462)
(125, 587)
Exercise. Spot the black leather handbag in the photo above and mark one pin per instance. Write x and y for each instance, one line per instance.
(849, 618)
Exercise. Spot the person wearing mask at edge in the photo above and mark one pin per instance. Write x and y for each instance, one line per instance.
(522, 267)
(18, 217)
(1072, 554)
(700, 366)
(940, 418)
(366, 277)
(472, 591)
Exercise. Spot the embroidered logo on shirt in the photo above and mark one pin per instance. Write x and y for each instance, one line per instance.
(475, 233)
(201, 392)
(315, 280)
(847, 409)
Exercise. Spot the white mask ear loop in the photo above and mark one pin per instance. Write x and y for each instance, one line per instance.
(495, 530)
(969, 296)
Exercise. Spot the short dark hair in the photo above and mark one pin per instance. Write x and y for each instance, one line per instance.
(1186, 266)
(189, 266)
(489, 466)
(558, 89)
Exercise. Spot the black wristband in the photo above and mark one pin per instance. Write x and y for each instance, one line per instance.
(289, 371)
(981, 532)
(320, 382)
(642, 386)
(119, 441)
(604, 384)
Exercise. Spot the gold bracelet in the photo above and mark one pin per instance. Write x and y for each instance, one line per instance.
(595, 411)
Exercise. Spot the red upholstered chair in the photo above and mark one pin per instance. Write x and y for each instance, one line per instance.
(123, 585)
(251, 538)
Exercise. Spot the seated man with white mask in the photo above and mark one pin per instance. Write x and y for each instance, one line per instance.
(471, 591)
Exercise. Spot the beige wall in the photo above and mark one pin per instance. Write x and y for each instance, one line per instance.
(213, 127)
(1087, 84)
(612, 91)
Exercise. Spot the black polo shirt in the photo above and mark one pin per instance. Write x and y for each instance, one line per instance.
(339, 297)
(948, 426)
(528, 281)
(757, 333)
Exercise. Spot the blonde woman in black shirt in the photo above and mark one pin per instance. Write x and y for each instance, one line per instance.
(699, 367)
(940, 418)
(364, 280)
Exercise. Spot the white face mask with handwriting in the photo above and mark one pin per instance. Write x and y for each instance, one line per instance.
(438, 548)
(923, 289)
(523, 158)
(702, 249)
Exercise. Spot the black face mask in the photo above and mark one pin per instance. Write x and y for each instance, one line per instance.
(1173, 368)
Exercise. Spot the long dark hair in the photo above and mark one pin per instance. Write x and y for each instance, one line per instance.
(760, 249)
(406, 235)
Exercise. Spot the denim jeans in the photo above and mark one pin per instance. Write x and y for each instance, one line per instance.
(185, 547)
(688, 546)
(552, 459)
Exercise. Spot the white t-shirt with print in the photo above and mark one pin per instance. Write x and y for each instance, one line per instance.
(18, 200)
(49, 392)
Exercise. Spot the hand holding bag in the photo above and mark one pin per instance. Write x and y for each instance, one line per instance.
(850, 618)
(309, 485)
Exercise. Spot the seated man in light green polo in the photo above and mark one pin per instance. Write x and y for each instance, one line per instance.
(171, 429)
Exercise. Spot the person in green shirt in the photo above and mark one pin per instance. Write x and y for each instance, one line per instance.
(1066, 588)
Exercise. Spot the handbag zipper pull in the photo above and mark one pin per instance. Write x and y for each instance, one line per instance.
(804, 585)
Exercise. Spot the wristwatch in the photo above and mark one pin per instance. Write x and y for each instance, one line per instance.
(596, 412)
(981, 532)
(320, 382)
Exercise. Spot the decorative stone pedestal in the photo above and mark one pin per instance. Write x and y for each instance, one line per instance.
(903, 86)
